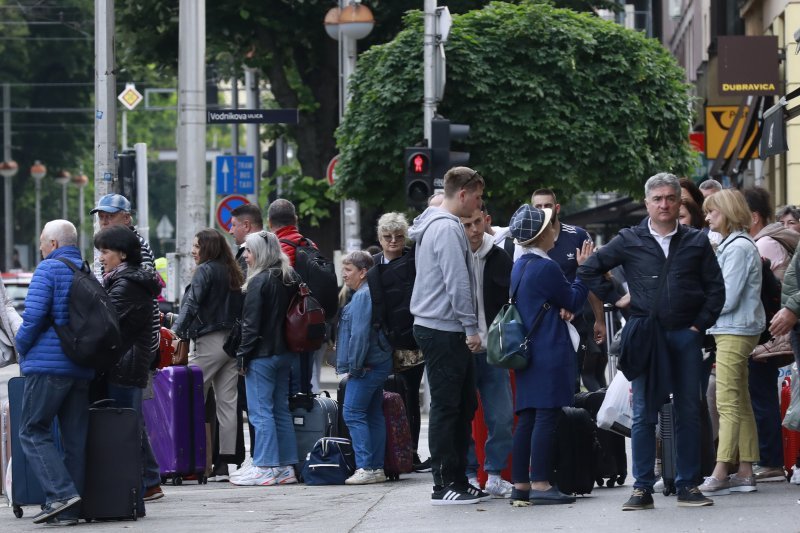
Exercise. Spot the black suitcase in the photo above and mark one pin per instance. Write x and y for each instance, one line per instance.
(666, 433)
(113, 483)
(343, 432)
(612, 465)
(576, 452)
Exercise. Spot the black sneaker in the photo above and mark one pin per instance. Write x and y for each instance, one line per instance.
(692, 497)
(639, 501)
(423, 466)
(475, 491)
(451, 495)
(54, 509)
(62, 521)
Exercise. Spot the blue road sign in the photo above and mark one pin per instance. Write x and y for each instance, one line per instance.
(235, 174)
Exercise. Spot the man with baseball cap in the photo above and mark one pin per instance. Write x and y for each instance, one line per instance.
(115, 210)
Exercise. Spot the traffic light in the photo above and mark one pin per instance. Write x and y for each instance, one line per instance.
(419, 185)
(126, 173)
(442, 134)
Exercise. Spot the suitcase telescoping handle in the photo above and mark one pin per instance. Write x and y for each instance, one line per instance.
(103, 404)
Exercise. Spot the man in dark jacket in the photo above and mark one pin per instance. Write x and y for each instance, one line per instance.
(690, 302)
(245, 219)
(491, 267)
(54, 385)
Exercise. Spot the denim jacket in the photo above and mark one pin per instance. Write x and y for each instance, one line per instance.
(740, 263)
(358, 344)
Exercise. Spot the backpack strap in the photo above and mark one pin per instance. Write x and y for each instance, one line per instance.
(377, 297)
(508, 246)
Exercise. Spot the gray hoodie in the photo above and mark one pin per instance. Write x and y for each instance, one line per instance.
(443, 296)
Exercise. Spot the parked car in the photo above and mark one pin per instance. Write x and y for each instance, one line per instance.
(17, 284)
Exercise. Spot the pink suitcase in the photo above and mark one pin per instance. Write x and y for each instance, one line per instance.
(399, 457)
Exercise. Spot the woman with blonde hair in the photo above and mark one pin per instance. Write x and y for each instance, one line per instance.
(736, 334)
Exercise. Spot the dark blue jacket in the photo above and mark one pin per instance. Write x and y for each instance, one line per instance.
(549, 379)
(694, 292)
(48, 298)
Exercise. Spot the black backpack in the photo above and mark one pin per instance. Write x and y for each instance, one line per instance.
(318, 273)
(770, 293)
(92, 336)
(390, 287)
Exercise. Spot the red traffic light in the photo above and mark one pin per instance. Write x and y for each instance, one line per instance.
(418, 164)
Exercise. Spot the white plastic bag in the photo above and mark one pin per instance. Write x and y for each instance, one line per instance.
(7, 482)
(792, 418)
(616, 412)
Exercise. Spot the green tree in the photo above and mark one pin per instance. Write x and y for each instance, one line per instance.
(553, 98)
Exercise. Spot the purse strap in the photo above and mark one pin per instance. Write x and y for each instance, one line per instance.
(513, 300)
(662, 279)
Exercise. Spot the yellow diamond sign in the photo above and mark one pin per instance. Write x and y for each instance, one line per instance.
(130, 97)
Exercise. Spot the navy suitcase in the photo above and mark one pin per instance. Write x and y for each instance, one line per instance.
(25, 488)
(314, 417)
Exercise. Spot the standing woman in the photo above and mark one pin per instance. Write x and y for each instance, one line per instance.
(210, 304)
(736, 333)
(131, 286)
(365, 355)
(547, 383)
(266, 361)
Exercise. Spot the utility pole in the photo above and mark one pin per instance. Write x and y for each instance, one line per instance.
(253, 144)
(429, 49)
(191, 182)
(105, 114)
(9, 222)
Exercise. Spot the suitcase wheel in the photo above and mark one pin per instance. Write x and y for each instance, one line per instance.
(202, 480)
(17, 511)
(610, 482)
(393, 477)
(621, 480)
(599, 482)
(177, 480)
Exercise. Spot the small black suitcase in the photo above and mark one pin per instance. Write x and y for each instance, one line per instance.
(113, 483)
(612, 466)
(576, 452)
(666, 433)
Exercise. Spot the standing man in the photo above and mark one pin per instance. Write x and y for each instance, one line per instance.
(54, 385)
(446, 330)
(570, 239)
(245, 219)
(115, 210)
(691, 300)
(491, 269)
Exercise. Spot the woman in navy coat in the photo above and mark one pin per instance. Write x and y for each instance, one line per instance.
(547, 383)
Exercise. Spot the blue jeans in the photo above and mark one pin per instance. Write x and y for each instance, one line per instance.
(494, 387)
(129, 396)
(686, 360)
(267, 384)
(767, 411)
(363, 414)
(47, 396)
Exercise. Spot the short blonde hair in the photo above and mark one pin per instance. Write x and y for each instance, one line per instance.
(392, 222)
(732, 206)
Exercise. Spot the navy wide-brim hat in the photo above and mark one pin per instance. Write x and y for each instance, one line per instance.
(528, 223)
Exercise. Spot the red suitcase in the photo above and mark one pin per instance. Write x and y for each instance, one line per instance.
(399, 449)
(791, 439)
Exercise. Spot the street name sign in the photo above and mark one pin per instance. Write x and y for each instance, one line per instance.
(252, 116)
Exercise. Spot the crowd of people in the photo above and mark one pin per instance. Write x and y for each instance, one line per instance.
(422, 304)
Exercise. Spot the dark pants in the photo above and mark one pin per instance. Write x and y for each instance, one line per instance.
(413, 379)
(534, 442)
(451, 374)
(767, 410)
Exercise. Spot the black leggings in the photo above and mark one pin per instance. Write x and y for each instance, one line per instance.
(413, 379)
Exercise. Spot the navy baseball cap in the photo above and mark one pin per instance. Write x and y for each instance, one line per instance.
(112, 203)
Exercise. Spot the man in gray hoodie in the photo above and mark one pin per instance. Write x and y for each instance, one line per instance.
(446, 329)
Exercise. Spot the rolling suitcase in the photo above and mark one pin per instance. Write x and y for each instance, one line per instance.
(341, 389)
(113, 483)
(669, 452)
(314, 417)
(5, 444)
(576, 452)
(399, 457)
(791, 439)
(394, 383)
(612, 464)
(175, 422)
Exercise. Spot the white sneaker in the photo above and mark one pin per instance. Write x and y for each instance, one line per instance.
(379, 475)
(498, 487)
(362, 477)
(472, 480)
(246, 465)
(795, 476)
(285, 475)
(659, 485)
(257, 476)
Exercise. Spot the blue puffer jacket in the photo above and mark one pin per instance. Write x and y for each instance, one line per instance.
(48, 296)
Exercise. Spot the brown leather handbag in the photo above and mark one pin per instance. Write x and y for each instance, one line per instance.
(181, 355)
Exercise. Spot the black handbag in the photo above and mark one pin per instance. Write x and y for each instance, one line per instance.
(234, 339)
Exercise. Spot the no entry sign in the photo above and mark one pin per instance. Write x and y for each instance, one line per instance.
(224, 208)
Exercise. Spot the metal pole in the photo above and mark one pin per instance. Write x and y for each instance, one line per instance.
(235, 105)
(252, 135)
(124, 130)
(38, 182)
(105, 123)
(9, 181)
(142, 205)
(191, 204)
(64, 201)
(82, 218)
(429, 48)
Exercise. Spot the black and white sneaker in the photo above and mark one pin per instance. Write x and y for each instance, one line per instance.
(478, 493)
(451, 495)
(54, 509)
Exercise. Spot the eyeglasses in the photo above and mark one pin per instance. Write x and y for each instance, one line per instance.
(393, 238)
(472, 176)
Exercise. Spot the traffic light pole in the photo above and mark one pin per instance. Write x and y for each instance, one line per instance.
(429, 49)
(105, 114)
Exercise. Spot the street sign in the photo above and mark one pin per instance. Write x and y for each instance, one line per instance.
(331, 172)
(253, 116)
(224, 208)
(719, 119)
(236, 174)
(130, 97)
(164, 229)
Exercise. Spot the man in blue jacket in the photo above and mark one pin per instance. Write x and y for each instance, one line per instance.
(689, 303)
(54, 385)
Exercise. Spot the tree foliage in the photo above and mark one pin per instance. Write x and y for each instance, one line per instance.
(553, 97)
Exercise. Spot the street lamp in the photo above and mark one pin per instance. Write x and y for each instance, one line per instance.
(348, 23)
(38, 172)
(8, 169)
(80, 180)
(63, 178)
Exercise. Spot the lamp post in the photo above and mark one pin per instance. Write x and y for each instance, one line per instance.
(348, 23)
(8, 169)
(80, 180)
(38, 172)
(63, 178)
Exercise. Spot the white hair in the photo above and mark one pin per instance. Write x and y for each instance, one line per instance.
(266, 251)
(61, 231)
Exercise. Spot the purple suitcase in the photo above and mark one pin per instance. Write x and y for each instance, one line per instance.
(175, 422)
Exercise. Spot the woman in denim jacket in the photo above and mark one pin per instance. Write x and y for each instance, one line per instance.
(364, 354)
(736, 333)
